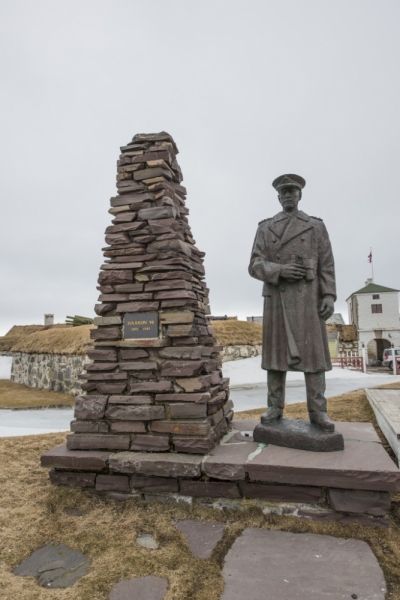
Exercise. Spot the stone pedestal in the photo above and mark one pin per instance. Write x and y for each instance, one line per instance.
(155, 382)
(295, 433)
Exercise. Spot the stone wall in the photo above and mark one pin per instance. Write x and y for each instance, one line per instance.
(239, 352)
(58, 372)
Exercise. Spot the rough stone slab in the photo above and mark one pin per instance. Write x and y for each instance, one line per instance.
(331, 515)
(128, 427)
(146, 588)
(201, 427)
(295, 433)
(185, 411)
(90, 407)
(376, 504)
(149, 343)
(362, 466)
(281, 493)
(138, 366)
(117, 483)
(133, 353)
(194, 445)
(105, 354)
(135, 413)
(155, 484)
(161, 465)
(154, 387)
(144, 399)
(304, 566)
(182, 397)
(209, 489)
(87, 441)
(110, 388)
(54, 566)
(228, 462)
(201, 537)
(61, 458)
(72, 479)
(89, 426)
(150, 443)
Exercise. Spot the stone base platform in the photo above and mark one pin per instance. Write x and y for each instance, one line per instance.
(239, 472)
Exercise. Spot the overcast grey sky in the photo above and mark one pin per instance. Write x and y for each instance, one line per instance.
(249, 89)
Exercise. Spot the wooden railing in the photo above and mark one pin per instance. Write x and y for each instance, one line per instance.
(355, 363)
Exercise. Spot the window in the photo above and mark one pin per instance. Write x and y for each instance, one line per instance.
(375, 296)
(376, 308)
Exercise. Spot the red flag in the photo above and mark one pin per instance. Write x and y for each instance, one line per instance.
(370, 257)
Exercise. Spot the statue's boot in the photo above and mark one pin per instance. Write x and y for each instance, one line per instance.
(273, 413)
(321, 420)
(316, 401)
(276, 396)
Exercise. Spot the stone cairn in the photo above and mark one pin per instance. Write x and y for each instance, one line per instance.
(165, 393)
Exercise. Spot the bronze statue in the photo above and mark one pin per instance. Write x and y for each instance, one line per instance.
(292, 255)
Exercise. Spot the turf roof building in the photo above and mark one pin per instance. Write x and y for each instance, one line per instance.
(374, 310)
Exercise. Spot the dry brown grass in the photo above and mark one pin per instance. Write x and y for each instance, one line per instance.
(230, 333)
(56, 340)
(33, 513)
(16, 395)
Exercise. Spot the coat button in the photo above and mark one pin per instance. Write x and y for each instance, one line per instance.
(302, 238)
(274, 240)
(278, 256)
(282, 289)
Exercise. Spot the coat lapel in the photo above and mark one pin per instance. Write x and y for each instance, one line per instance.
(278, 224)
(297, 225)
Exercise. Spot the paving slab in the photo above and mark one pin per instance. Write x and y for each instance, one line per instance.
(54, 566)
(277, 565)
(201, 537)
(141, 588)
(386, 406)
(360, 466)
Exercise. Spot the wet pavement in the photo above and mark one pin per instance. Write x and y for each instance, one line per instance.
(249, 397)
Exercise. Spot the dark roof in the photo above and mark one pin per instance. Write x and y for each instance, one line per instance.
(373, 288)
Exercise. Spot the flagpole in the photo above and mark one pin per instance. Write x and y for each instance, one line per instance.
(372, 265)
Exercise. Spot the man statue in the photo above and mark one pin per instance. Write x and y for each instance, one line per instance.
(292, 255)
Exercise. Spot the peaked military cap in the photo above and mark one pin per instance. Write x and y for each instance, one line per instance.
(289, 180)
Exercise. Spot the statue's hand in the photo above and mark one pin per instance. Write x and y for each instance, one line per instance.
(293, 272)
(327, 307)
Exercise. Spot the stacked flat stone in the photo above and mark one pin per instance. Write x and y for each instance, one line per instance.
(165, 394)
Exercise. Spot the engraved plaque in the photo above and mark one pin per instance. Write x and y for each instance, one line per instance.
(140, 325)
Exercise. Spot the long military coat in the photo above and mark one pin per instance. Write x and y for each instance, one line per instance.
(294, 335)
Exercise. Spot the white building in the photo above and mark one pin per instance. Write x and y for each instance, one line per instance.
(374, 310)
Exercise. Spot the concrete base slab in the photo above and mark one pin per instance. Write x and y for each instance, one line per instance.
(295, 433)
(281, 565)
